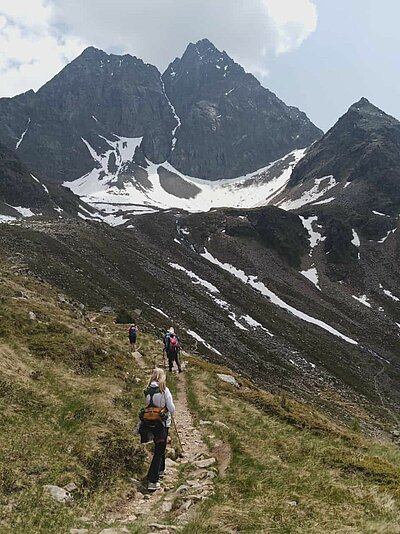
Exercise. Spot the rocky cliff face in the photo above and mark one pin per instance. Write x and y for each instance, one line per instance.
(94, 97)
(231, 125)
(226, 123)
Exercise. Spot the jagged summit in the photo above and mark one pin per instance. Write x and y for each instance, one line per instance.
(230, 124)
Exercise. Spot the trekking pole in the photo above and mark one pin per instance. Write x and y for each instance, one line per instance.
(177, 435)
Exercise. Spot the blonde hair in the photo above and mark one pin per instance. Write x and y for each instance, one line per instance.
(158, 375)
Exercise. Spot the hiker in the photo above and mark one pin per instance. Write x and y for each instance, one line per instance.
(172, 348)
(132, 333)
(158, 396)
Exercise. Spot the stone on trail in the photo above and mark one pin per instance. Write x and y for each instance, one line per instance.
(159, 526)
(78, 531)
(182, 488)
(170, 463)
(203, 423)
(229, 379)
(122, 530)
(167, 506)
(208, 462)
(185, 506)
(57, 493)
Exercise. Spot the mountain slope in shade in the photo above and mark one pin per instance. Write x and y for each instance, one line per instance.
(22, 194)
(230, 124)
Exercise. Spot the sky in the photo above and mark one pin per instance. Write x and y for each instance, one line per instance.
(318, 55)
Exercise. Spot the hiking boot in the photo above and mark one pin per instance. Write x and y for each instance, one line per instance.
(153, 486)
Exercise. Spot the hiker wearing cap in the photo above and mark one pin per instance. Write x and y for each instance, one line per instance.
(172, 348)
(132, 333)
(157, 420)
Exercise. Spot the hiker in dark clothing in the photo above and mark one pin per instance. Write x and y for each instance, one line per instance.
(132, 333)
(159, 396)
(172, 348)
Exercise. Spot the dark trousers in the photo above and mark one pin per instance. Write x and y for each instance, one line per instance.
(173, 356)
(158, 461)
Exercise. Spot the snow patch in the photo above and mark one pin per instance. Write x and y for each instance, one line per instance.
(381, 214)
(389, 293)
(312, 275)
(178, 120)
(356, 240)
(39, 182)
(387, 235)
(196, 279)
(201, 340)
(363, 299)
(274, 299)
(159, 311)
(314, 237)
(22, 135)
(317, 191)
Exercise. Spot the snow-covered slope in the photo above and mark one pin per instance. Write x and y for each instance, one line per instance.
(117, 184)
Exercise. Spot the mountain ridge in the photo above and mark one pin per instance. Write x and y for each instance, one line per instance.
(99, 95)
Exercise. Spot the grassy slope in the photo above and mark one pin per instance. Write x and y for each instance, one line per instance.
(69, 394)
(292, 470)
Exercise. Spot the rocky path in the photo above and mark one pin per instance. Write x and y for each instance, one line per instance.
(167, 510)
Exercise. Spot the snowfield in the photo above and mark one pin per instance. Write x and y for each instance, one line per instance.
(111, 192)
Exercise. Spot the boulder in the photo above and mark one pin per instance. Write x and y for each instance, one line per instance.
(229, 379)
(57, 493)
(208, 462)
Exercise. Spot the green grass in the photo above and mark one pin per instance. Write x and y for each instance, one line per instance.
(289, 473)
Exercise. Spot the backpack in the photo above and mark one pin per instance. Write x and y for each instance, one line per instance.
(173, 344)
(152, 415)
(132, 331)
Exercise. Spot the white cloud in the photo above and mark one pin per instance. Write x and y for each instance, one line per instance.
(37, 37)
(294, 22)
(31, 52)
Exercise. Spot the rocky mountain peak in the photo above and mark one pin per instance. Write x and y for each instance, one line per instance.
(205, 52)
(367, 115)
(361, 149)
(230, 124)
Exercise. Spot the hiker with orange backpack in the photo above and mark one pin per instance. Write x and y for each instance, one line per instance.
(155, 422)
(172, 348)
